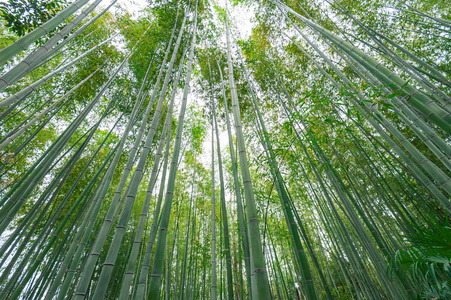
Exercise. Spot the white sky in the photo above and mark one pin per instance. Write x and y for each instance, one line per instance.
(241, 16)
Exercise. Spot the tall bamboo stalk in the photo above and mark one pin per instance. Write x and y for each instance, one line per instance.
(259, 278)
(155, 280)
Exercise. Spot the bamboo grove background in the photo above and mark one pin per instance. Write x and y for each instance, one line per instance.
(171, 156)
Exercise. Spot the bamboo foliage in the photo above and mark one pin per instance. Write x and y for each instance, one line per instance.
(22, 43)
(23, 67)
(340, 148)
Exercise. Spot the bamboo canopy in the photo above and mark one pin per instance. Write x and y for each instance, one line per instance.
(202, 149)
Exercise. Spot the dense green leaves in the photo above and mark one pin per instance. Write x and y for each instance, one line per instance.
(23, 16)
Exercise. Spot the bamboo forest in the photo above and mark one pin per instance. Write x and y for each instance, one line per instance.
(216, 149)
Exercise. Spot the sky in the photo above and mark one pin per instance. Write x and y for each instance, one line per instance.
(241, 16)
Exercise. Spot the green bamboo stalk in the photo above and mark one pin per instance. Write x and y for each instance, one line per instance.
(100, 196)
(188, 224)
(114, 209)
(155, 280)
(61, 225)
(143, 216)
(341, 191)
(417, 12)
(19, 96)
(213, 284)
(65, 261)
(167, 294)
(22, 43)
(374, 36)
(25, 108)
(126, 210)
(259, 280)
(52, 53)
(237, 193)
(416, 98)
(15, 202)
(441, 177)
(418, 126)
(134, 184)
(154, 227)
(430, 133)
(11, 138)
(307, 279)
(223, 210)
(32, 217)
(352, 251)
(23, 68)
(65, 264)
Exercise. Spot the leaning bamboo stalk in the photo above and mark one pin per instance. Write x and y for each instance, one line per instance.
(167, 294)
(11, 138)
(108, 160)
(414, 119)
(347, 241)
(416, 98)
(423, 131)
(19, 182)
(95, 206)
(345, 197)
(20, 145)
(154, 227)
(114, 208)
(52, 190)
(22, 43)
(41, 284)
(307, 279)
(65, 263)
(183, 276)
(76, 249)
(19, 96)
(24, 66)
(62, 224)
(143, 217)
(374, 34)
(320, 203)
(213, 284)
(222, 201)
(113, 251)
(424, 179)
(52, 53)
(406, 66)
(24, 108)
(427, 165)
(46, 197)
(98, 200)
(417, 12)
(15, 202)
